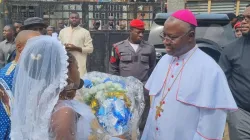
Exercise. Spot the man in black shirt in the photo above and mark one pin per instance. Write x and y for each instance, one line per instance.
(235, 61)
(8, 45)
(233, 19)
(18, 25)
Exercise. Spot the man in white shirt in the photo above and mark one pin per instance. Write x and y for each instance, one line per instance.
(78, 41)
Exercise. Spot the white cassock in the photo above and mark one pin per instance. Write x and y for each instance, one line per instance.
(196, 105)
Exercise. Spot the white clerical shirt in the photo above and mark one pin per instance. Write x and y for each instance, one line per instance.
(196, 106)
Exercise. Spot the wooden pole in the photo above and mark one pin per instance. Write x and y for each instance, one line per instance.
(209, 3)
(237, 7)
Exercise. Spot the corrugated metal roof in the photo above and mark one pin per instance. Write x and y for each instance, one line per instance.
(223, 7)
(243, 5)
(197, 6)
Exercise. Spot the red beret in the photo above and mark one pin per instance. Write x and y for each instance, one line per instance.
(136, 23)
(237, 25)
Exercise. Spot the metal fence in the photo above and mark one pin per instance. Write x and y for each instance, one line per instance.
(89, 12)
(103, 42)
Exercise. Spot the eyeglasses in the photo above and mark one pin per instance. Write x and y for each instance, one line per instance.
(172, 39)
(242, 17)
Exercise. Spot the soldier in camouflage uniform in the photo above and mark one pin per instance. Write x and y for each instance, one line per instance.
(134, 57)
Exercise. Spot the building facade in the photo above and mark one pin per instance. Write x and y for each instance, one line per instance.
(217, 6)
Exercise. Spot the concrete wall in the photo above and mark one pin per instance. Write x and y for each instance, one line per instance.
(174, 5)
(1, 20)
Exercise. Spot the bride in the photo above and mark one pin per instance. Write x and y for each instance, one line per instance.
(46, 81)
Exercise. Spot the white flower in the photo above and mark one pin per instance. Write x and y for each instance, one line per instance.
(100, 87)
(92, 90)
(100, 96)
(120, 89)
(112, 89)
(108, 84)
(117, 86)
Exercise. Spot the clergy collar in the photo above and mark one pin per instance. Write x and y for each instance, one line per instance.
(185, 56)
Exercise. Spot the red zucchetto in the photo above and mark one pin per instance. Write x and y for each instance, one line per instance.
(186, 16)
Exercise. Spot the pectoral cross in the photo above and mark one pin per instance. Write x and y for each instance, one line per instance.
(159, 110)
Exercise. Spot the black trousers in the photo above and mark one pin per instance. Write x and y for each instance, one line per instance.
(239, 125)
(145, 111)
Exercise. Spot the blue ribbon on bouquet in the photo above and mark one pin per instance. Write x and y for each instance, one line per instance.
(122, 120)
(88, 83)
(122, 83)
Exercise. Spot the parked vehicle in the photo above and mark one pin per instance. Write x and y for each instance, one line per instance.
(214, 32)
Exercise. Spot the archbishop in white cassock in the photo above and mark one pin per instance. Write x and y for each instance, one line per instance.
(190, 93)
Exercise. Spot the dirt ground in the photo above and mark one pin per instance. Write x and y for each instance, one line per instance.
(226, 134)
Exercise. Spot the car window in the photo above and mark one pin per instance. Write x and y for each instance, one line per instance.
(219, 34)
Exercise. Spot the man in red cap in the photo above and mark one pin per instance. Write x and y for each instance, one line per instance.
(237, 28)
(134, 57)
(190, 94)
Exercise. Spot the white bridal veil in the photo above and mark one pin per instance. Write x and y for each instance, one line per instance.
(40, 76)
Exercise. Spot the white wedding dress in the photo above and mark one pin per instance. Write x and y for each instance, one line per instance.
(81, 128)
(83, 117)
(38, 114)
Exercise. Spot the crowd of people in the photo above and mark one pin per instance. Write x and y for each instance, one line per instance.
(188, 96)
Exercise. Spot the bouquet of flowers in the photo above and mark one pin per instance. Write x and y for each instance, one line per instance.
(117, 102)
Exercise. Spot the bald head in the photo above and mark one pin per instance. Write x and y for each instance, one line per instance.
(23, 37)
